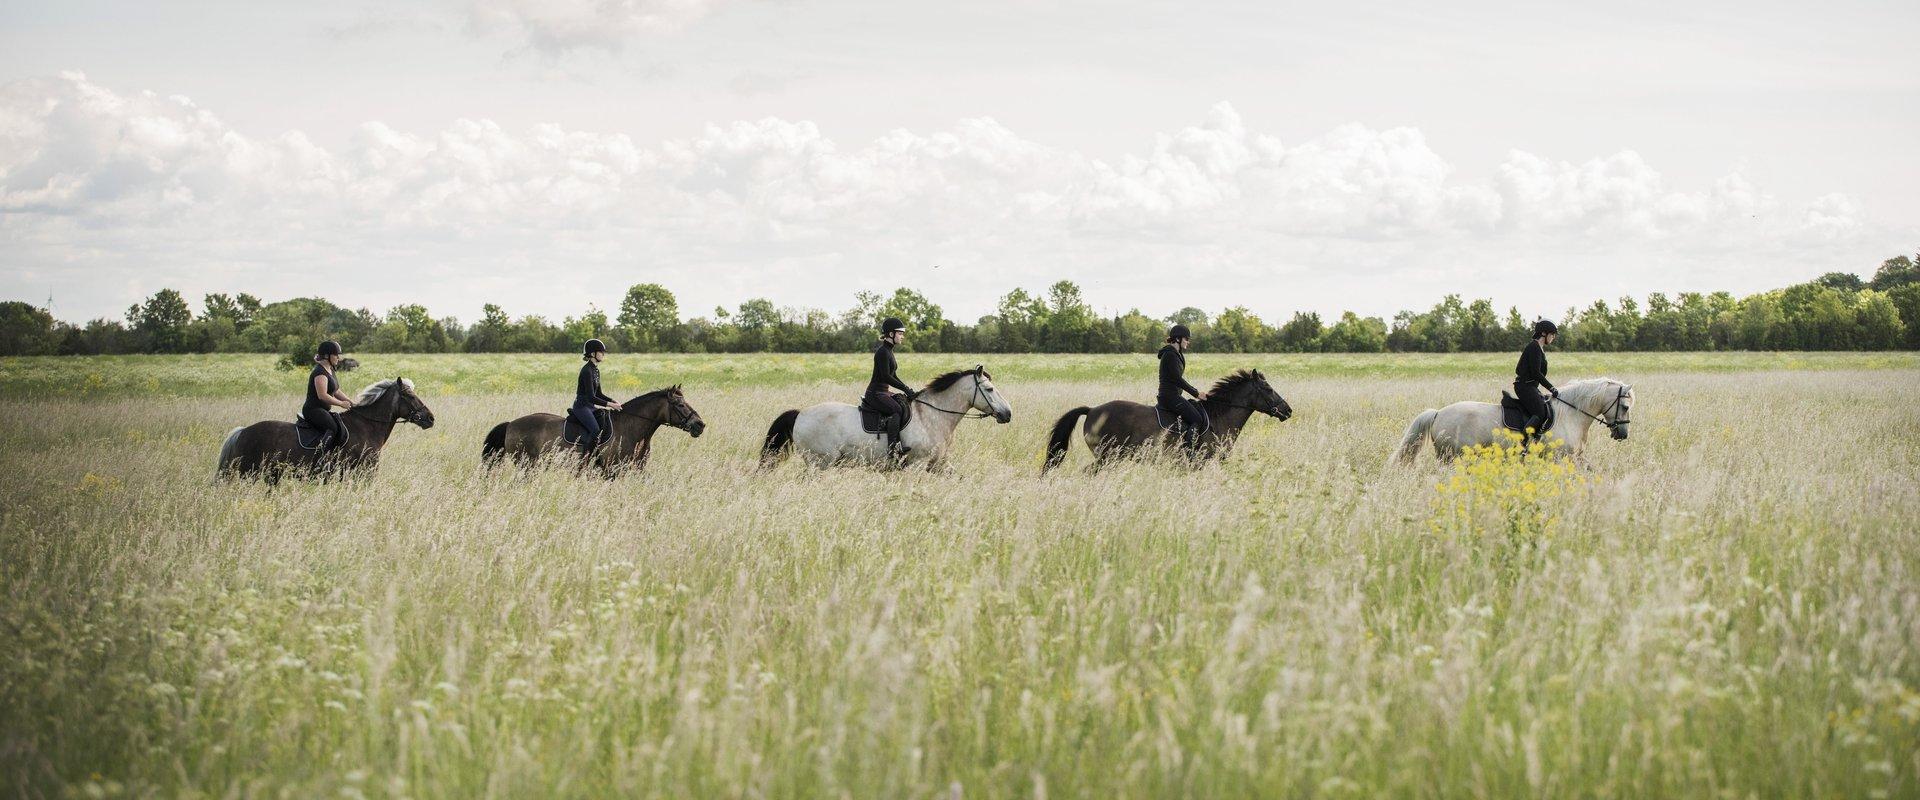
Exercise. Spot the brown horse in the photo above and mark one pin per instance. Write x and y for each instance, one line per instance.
(271, 449)
(1123, 428)
(529, 438)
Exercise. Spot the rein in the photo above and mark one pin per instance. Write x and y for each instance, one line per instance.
(1618, 395)
(966, 413)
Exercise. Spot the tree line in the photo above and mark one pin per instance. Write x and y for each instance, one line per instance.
(1837, 311)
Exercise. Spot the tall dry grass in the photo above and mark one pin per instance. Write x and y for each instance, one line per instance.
(1726, 604)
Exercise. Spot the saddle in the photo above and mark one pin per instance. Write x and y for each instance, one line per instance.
(576, 436)
(311, 436)
(875, 420)
(1514, 416)
(1172, 423)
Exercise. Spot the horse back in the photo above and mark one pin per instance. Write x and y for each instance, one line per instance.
(1121, 422)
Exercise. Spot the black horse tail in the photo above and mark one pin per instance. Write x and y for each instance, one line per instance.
(779, 437)
(495, 446)
(1062, 436)
(228, 464)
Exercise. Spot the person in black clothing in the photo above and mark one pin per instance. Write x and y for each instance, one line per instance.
(323, 393)
(886, 375)
(1531, 374)
(586, 392)
(1173, 381)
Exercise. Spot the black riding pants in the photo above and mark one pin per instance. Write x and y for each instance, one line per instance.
(1531, 402)
(323, 418)
(583, 414)
(1190, 413)
(889, 403)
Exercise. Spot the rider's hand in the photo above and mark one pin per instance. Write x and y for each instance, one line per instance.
(1554, 392)
(614, 406)
(349, 404)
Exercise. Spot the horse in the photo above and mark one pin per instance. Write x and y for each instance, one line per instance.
(1469, 423)
(831, 433)
(1123, 428)
(271, 449)
(629, 445)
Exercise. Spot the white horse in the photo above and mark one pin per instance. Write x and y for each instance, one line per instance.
(830, 433)
(1467, 423)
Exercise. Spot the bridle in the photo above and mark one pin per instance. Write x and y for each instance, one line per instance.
(1619, 395)
(673, 417)
(979, 394)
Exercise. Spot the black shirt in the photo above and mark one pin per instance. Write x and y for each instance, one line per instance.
(313, 398)
(886, 371)
(1533, 366)
(587, 392)
(1173, 370)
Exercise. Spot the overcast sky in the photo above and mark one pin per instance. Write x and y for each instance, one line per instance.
(1283, 156)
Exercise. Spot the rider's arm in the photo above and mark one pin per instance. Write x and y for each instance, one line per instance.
(1170, 374)
(332, 398)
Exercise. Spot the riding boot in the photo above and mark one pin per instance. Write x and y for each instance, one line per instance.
(1530, 436)
(894, 447)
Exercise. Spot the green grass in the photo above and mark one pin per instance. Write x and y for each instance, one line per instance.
(252, 375)
(1727, 604)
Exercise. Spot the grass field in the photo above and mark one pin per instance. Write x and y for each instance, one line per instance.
(1726, 605)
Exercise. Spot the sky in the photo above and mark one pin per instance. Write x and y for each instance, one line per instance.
(1278, 155)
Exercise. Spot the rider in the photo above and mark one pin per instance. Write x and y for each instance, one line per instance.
(323, 393)
(886, 374)
(587, 395)
(1173, 368)
(1531, 374)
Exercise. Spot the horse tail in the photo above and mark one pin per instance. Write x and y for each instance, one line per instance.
(229, 451)
(494, 446)
(1062, 436)
(779, 437)
(1410, 443)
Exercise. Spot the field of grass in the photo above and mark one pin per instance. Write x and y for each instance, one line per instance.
(1726, 605)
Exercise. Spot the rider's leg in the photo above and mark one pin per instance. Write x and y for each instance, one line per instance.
(1536, 409)
(584, 416)
(1196, 424)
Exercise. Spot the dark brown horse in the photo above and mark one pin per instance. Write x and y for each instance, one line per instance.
(271, 449)
(1122, 428)
(533, 436)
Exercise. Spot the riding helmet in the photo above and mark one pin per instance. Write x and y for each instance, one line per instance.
(1178, 332)
(593, 346)
(1544, 327)
(891, 324)
(328, 348)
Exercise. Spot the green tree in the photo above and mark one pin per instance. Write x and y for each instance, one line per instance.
(1237, 330)
(1302, 333)
(25, 330)
(1906, 300)
(647, 313)
(1879, 321)
(923, 319)
(489, 335)
(1355, 334)
(591, 325)
(161, 322)
(1894, 273)
(1841, 281)
(409, 329)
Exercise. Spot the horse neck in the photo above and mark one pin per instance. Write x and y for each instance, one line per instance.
(375, 422)
(1587, 396)
(643, 422)
(958, 397)
(1228, 415)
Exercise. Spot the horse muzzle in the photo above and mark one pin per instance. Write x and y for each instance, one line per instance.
(1004, 416)
(1282, 414)
(1620, 432)
(424, 419)
(696, 427)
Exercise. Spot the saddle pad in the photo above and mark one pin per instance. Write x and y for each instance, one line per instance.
(873, 420)
(1515, 417)
(310, 435)
(1170, 421)
(577, 436)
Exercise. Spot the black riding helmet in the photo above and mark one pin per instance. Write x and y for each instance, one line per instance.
(1178, 332)
(1544, 327)
(891, 324)
(328, 348)
(592, 346)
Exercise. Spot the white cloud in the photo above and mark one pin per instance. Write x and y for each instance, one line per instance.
(555, 27)
(154, 189)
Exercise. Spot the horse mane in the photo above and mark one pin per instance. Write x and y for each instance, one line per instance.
(653, 394)
(1234, 379)
(943, 382)
(374, 392)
